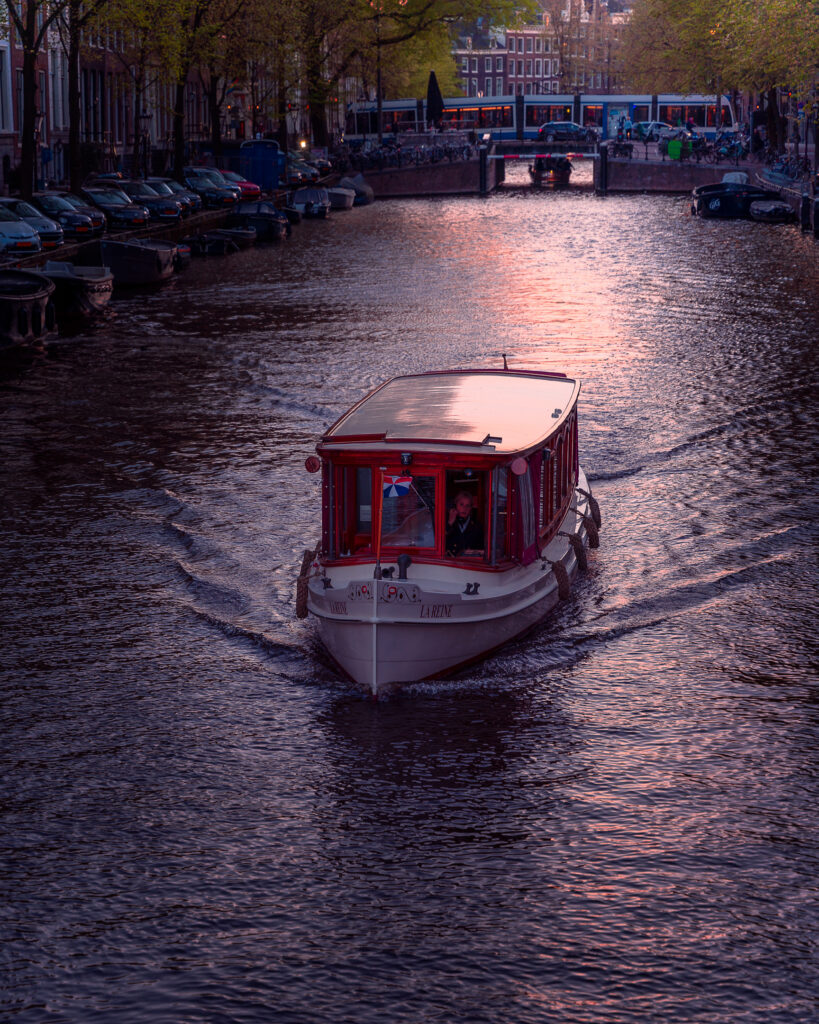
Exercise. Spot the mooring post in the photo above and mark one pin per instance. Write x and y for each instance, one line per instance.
(602, 168)
(483, 163)
(816, 217)
(804, 212)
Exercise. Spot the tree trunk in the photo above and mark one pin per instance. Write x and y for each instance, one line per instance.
(772, 123)
(215, 112)
(74, 111)
(179, 127)
(28, 148)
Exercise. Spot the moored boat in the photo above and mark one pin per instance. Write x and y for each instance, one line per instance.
(79, 291)
(311, 202)
(364, 193)
(209, 243)
(139, 261)
(269, 223)
(26, 311)
(341, 198)
(550, 170)
(454, 516)
(772, 211)
(243, 237)
(729, 198)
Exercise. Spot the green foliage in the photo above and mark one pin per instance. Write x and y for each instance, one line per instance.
(698, 45)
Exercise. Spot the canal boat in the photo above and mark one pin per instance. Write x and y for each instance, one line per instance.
(729, 198)
(455, 515)
(341, 198)
(139, 261)
(27, 314)
(772, 211)
(311, 202)
(550, 170)
(79, 291)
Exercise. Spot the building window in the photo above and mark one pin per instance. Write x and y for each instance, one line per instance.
(520, 69)
(511, 69)
(474, 63)
(499, 87)
(538, 44)
(529, 43)
(499, 63)
(528, 67)
(465, 64)
(520, 44)
(474, 89)
(511, 43)
(487, 64)
(487, 86)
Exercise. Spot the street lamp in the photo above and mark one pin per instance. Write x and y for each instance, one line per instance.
(144, 125)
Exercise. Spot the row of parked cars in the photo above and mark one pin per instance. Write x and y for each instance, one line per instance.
(112, 202)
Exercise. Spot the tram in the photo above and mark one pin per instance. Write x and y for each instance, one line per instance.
(519, 117)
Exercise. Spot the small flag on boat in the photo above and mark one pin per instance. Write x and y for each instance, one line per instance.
(396, 486)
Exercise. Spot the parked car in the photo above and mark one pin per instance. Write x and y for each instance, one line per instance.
(15, 235)
(249, 189)
(98, 219)
(117, 207)
(292, 175)
(161, 208)
(649, 131)
(308, 172)
(213, 196)
(565, 131)
(214, 176)
(56, 207)
(191, 202)
(50, 232)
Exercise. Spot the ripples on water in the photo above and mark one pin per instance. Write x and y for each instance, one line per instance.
(613, 820)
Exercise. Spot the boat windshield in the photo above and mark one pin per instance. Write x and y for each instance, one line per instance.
(408, 511)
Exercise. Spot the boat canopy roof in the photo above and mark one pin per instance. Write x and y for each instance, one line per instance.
(492, 412)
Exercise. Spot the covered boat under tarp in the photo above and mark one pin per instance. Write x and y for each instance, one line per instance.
(455, 515)
(729, 198)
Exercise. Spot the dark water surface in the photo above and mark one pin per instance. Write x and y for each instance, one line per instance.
(612, 821)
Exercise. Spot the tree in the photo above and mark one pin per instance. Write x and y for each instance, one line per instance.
(31, 21)
(75, 17)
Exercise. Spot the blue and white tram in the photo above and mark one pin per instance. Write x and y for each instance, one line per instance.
(519, 117)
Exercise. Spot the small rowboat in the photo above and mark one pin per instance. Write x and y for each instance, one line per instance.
(455, 515)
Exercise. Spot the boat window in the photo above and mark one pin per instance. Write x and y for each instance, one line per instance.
(355, 508)
(528, 513)
(408, 511)
(466, 502)
(500, 513)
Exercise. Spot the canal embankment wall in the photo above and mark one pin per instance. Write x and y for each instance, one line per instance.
(444, 178)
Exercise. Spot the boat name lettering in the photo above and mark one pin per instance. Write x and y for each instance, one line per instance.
(436, 611)
(339, 607)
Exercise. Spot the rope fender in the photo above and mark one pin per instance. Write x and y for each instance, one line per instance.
(561, 578)
(591, 530)
(576, 542)
(594, 506)
(301, 583)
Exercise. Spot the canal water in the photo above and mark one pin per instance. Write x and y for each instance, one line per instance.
(613, 820)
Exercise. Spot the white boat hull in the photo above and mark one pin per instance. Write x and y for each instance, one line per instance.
(429, 625)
